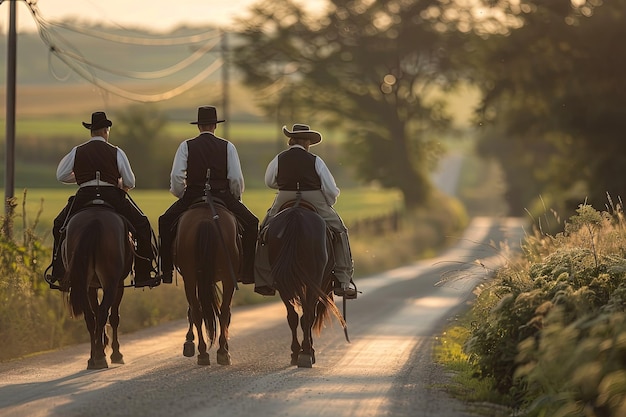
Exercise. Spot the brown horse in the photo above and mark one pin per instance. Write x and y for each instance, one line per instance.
(301, 269)
(97, 253)
(206, 255)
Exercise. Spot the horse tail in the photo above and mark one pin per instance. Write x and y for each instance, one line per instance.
(206, 286)
(288, 268)
(292, 274)
(83, 255)
(325, 309)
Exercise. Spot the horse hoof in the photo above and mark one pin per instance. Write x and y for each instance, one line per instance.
(117, 358)
(97, 363)
(203, 359)
(223, 358)
(189, 349)
(294, 360)
(305, 361)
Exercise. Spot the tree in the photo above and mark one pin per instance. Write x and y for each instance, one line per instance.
(374, 68)
(139, 131)
(553, 87)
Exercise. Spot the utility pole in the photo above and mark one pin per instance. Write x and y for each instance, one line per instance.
(225, 82)
(9, 178)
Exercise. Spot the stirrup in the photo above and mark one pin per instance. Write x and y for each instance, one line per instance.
(152, 282)
(346, 291)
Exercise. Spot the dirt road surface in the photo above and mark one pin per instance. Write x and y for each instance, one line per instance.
(386, 370)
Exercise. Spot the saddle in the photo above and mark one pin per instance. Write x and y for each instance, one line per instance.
(296, 202)
(99, 204)
(299, 202)
(201, 202)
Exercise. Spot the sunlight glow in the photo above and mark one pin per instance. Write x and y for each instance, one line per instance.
(157, 15)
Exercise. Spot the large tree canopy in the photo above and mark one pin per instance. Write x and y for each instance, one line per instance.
(553, 90)
(374, 67)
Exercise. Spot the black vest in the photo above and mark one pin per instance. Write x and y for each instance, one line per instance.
(207, 151)
(296, 170)
(93, 156)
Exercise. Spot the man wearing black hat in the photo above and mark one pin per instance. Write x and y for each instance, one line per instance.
(193, 159)
(80, 166)
(298, 170)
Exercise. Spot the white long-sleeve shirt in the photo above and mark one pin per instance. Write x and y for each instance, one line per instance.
(329, 187)
(65, 169)
(178, 176)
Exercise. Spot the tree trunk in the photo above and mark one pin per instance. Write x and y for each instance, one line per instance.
(412, 179)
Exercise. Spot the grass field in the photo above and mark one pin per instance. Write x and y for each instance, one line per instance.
(353, 204)
(30, 130)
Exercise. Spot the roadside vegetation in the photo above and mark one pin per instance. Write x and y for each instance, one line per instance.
(547, 336)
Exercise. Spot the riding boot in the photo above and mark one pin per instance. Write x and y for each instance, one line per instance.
(143, 278)
(344, 267)
(248, 243)
(56, 279)
(167, 264)
(263, 271)
(58, 233)
(144, 262)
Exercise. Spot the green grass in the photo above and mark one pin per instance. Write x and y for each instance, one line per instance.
(479, 393)
(68, 127)
(353, 203)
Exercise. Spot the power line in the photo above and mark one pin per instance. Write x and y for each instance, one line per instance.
(87, 69)
(142, 75)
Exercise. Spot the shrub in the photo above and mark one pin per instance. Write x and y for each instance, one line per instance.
(551, 329)
(31, 318)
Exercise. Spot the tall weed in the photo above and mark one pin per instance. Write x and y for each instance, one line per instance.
(551, 329)
(31, 319)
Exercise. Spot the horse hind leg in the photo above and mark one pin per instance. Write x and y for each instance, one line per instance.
(306, 358)
(98, 359)
(114, 320)
(223, 356)
(197, 319)
(292, 320)
(189, 347)
(95, 358)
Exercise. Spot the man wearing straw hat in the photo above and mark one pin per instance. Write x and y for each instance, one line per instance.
(298, 170)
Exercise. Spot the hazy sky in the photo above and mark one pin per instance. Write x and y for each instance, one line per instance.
(155, 14)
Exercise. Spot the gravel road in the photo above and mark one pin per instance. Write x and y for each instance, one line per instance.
(386, 370)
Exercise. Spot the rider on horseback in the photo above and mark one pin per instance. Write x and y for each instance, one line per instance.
(297, 170)
(191, 162)
(81, 166)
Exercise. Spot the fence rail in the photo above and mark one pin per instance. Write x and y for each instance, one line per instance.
(377, 225)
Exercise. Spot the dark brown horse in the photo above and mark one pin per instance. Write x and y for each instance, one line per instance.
(206, 255)
(97, 253)
(299, 252)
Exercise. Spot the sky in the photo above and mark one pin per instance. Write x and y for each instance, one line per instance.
(158, 15)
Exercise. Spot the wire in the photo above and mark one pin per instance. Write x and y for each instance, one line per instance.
(145, 75)
(129, 40)
(147, 98)
(84, 68)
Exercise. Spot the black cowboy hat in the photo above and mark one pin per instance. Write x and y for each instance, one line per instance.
(98, 121)
(300, 131)
(207, 115)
